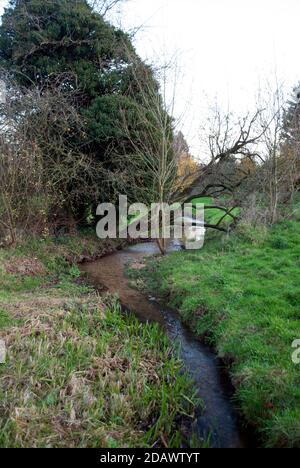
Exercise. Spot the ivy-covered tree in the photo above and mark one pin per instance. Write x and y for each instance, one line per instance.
(291, 118)
(65, 43)
(290, 147)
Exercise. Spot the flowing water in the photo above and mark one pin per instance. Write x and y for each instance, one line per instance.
(219, 418)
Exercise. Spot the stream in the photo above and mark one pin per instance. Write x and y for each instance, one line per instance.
(218, 420)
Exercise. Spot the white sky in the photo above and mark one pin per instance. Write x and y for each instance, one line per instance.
(224, 48)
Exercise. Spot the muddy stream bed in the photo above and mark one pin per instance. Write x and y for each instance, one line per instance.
(218, 419)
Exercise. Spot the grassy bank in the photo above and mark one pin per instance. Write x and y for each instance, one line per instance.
(78, 373)
(243, 294)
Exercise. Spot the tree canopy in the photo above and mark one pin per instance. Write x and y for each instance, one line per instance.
(66, 44)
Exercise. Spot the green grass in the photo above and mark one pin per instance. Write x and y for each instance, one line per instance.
(79, 373)
(5, 319)
(243, 294)
(213, 215)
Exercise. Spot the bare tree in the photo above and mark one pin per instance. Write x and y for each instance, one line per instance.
(290, 142)
(277, 174)
(271, 120)
(231, 142)
(151, 156)
(105, 6)
(23, 198)
(43, 173)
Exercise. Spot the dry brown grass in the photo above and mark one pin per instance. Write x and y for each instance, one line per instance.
(24, 266)
(78, 375)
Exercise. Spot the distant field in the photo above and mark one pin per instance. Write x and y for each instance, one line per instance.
(213, 216)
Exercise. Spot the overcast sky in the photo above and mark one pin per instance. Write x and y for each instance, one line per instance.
(224, 48)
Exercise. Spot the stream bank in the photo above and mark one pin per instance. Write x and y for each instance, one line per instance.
(219, 421)
(78, 372)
